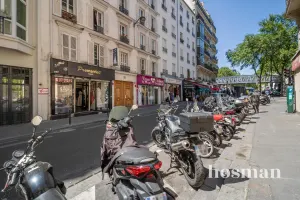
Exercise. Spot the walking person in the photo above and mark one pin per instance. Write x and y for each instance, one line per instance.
(254, 98)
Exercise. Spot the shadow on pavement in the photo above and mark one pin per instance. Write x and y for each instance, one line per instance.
(255, 117)
(240, 129)
(236, 138)
(263, 111)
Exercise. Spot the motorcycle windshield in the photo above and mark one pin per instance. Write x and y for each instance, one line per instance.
(117, 113)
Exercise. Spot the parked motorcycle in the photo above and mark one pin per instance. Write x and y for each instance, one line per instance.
(32, 179)
(183, 146)
(134, 170)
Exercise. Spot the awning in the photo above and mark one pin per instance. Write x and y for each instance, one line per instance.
(296, 61)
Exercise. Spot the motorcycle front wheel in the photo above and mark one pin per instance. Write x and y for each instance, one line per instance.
(193, 170)
(158, 138)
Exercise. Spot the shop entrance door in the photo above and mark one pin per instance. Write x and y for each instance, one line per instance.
(123, 93)
(15, 95)
(82, 96)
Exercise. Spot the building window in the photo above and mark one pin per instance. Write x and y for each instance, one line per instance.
(173, 29)
(181, 35)
(188, 41)
(181, 70)
(180, 19)
(188, 73)
(173, 48)
(6, 10)
(153, 45)
(188, 56)
(141, 12)
(68, 6)
(98, 55)
(123, 30)
(123, 59)
(164, 2)
(193, 45)
(165, 64)
(187, 14)
(143, 66)
(69, 47)
(193, 74)
(173, 67)
(21, 19)
(164, 22)
(152, 22)
(187, 25)
(142, 39)
(181, 52)
(153, 67)
(164, 43)
(98, 21)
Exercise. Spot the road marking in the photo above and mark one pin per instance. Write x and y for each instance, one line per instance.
(67, 130)
(13, 144)
(91, 127)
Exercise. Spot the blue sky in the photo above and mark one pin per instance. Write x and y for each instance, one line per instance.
(236, 18)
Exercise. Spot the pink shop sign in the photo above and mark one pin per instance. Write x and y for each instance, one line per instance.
(149, 80)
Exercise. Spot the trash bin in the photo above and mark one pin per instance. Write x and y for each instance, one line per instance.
(290, 99)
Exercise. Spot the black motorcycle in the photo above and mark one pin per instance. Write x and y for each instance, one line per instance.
(32, 179)
(182, 146)
(134, 171)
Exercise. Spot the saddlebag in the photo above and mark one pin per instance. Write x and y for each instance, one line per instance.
(197, 122)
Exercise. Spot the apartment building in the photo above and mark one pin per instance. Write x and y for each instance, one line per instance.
(18, 61)
(292, 11)
(97, 54)
(207, 62)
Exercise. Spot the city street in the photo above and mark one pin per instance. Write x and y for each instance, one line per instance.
(75, 152)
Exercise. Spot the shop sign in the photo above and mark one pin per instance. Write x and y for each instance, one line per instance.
(43, 91)
(296, 63)
(173, 81)
(149, 80)
(115, 57)
(63, 80)
(58, 66)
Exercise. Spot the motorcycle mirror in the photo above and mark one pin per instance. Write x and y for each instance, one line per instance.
(36, 121)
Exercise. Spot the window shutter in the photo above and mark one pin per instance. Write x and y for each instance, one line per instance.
(101, 57)
(57, 7)
(90, 16)
(73, 48)
(90, 52)
(65, 46)
(80, 8)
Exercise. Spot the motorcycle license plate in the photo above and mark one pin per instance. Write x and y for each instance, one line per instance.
(162, 196)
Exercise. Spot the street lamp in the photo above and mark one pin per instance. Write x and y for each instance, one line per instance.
(142, 19)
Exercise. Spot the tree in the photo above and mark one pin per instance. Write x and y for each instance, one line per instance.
(226, 71)
(250, 53)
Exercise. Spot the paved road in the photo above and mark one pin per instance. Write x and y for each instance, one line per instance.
(75, 152)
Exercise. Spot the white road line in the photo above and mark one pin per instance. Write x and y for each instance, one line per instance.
(13, 144)
(91, 127)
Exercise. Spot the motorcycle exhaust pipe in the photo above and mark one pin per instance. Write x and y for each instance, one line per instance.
(180, 145)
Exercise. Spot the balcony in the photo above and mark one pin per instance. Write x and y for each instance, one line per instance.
(173, 35)
(98, 29)
(181, 8)
(165, 49)
(69, 16)
(142, 22)
(153, 52)
(143, 72)
(153, 29)
(154, 74)
(174, 74)
(188, 46)
(123, 10)
(181, 40)
(164, 29)
(142, 47)
(181, 24)
(152, 6)
(181, 76)
(187, 29)
(124, 68)
(164, 7)
(188, 61)
(124, 38)
(165, 71)
(193, 49)
(173, 54)
(181, 58)
(173, 16)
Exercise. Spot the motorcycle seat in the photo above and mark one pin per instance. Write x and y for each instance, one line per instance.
(134, 155)
(175, 128)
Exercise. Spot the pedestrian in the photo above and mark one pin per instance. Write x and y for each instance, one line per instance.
(254, 98)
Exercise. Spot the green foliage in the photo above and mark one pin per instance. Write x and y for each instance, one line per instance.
(269, 51)
(226, 71)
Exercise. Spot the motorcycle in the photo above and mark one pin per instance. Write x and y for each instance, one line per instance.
(134, 170)
(32, 179)
(182, 146)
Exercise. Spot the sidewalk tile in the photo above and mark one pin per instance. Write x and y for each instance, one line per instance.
(229, 193)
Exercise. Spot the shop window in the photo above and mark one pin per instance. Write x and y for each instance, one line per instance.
(69, 46)
(63, 88)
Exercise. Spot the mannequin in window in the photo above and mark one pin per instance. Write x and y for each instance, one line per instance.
(79, 99)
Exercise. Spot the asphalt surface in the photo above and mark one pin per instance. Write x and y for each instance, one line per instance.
(74, 151)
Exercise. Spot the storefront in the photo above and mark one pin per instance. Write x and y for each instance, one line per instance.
(79, 88)
(193, 89)
(15, 95)
(149, 90)
(172, 87)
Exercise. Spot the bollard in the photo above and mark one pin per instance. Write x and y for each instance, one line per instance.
(70, 119)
